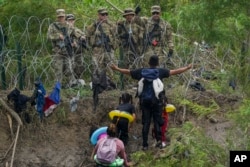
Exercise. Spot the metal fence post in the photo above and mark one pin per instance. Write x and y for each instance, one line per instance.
(120, 63)
(19, 65)
(2, 69)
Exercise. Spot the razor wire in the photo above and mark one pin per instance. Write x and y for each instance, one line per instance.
(36, 50)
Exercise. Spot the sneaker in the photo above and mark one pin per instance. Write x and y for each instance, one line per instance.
(163, 144)
(158, 144)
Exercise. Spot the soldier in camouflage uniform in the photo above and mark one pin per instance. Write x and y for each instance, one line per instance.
(62, 51)
(101, 37)
(102, 40)
(130, 35)
(157, 36)
(79, 50)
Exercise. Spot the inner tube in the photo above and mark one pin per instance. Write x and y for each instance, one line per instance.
(97, 134)
(123, 114)
(118, 162)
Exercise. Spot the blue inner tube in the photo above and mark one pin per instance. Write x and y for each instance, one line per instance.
(97, 133)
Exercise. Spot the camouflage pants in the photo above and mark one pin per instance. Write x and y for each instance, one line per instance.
(78, 66)
(101, 60)
(63, 66)
(128, 60)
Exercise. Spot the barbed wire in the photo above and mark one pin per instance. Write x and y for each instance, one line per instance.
(35, 50)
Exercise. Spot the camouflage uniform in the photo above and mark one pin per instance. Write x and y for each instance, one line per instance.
(102, 55)
(157, 36)
(101, 37)
(79, 51)
(62, 61)
(130, 36)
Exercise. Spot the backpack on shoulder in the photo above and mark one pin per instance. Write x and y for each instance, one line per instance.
(106, 152)
(150, 86)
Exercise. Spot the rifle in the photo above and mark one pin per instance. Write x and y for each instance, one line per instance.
(67, 40)
(104, 39)
(129, 39)
(148, 38)
(83, 43)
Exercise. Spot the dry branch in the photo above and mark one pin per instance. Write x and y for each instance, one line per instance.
(10, 123)
(2, 158)
(14, 148)
(12, 112)
(114, 6)
(20, 123)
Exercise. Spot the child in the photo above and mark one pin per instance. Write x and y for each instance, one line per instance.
(123, 126)
(164, 127)
(163, 131)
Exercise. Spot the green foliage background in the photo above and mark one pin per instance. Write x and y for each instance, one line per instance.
(224, 24)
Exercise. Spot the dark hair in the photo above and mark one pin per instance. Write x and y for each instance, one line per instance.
(111, 131)
(153, 60)
(126, 98)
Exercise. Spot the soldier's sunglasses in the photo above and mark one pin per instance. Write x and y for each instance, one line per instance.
(104, 14)
(155, 13)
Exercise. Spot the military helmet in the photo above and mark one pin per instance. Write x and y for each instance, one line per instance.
(70, 17)
(155, 8)
(60, 13)
(102, 11)
(128, 11)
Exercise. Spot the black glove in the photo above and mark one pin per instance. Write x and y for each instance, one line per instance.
(170, 53)
(137, 10)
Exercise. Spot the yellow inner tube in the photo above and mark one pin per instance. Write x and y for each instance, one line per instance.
(170, 108)
(123, 114)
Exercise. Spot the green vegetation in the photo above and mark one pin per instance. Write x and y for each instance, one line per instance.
(189, 147)
(200, 110)
(62, 115)
(224, 25)
(241, 117)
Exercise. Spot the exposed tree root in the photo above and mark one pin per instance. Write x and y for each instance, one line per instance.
(20, 123)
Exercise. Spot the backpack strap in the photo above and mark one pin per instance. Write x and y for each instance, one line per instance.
(140, 87)
(117, 120)
(158, 87)
(57, 27)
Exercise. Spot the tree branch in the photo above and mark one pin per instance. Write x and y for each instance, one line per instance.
(114, 6)
(12, 112)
